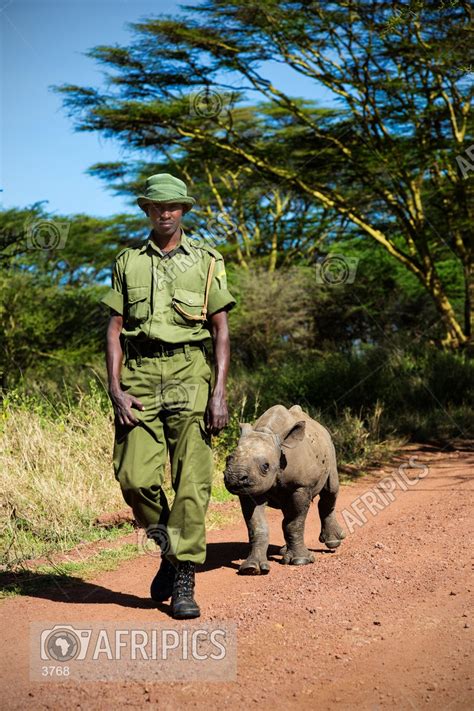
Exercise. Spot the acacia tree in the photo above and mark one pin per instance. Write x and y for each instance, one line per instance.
(252, 224)
(253, 220)
(391, 152)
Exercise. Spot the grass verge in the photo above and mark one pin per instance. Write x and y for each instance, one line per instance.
(65, 574)
(56, 471)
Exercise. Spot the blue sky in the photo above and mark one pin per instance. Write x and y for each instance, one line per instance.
(42, 157)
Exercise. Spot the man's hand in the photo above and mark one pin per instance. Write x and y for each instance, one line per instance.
(123, 404)
(217, 415)
(121, 401)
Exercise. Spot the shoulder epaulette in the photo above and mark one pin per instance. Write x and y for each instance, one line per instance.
(121, 252)
(208, 248)
(128, 249)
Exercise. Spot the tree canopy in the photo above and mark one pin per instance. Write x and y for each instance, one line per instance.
(384, 164)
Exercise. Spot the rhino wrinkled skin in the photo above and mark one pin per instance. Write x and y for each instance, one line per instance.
(284, 460)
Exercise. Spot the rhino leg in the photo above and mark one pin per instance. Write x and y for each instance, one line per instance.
(295, 510)
(254, 514)
(331, 532)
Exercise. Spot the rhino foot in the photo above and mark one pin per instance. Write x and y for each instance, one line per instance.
(254, 566)
(300, 557)
(332, 534)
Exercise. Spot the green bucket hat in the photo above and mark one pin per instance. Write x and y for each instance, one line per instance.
(164, 187)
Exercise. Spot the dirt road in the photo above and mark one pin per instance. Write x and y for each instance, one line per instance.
(383, 623)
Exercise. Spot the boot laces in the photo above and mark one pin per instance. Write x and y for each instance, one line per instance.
(184, 580)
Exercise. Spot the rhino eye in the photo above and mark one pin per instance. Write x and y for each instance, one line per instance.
(265, 466)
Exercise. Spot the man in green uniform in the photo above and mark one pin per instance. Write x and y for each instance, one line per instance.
(169, 303)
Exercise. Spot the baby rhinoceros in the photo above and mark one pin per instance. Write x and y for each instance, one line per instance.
(284, 460)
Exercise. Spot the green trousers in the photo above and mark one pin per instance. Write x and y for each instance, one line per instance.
(174, 390)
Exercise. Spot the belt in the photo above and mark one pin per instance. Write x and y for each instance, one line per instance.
(157, 349)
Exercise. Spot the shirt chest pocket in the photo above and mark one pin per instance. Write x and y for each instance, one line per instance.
(138, 304)
(187, 307)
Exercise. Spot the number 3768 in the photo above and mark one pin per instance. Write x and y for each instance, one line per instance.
(54, 671)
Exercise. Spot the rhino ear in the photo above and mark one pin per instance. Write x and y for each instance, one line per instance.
(245, 428)
(293, 435)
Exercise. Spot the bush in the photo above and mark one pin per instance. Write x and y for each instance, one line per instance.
(423, 393)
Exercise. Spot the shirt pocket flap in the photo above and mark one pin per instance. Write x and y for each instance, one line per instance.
(187, 307)
(136, 293)
(188, 298)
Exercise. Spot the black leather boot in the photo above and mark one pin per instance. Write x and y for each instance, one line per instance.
(161, 587)
(183, 604)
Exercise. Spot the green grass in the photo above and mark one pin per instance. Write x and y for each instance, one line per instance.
(219, 492)
(68, 573)
(56, 476)
(56, 473)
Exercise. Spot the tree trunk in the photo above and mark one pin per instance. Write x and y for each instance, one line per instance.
(455, 336)
(469, 306)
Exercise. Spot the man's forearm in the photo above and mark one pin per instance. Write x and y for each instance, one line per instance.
(222, 357)
(221, 340)
(114, 353)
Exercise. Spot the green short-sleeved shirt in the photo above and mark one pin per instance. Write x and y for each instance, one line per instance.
(151, 289)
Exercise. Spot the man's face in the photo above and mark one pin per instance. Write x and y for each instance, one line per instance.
(165, 217)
